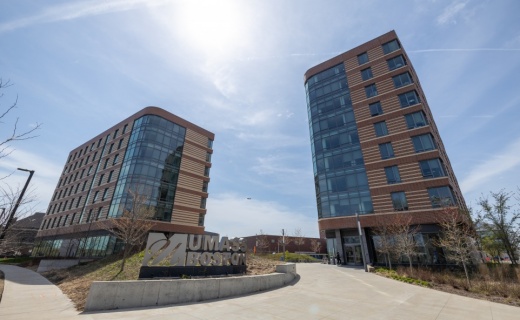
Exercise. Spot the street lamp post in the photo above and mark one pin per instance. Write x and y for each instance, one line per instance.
(13, 212)
(361, 242)
(283, 244)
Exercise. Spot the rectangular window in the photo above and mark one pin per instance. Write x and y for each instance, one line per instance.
(399, 201)
(95, 197)
(71, 203)
(408, 99)
(208, 156)
(362, 58)
(381, 129)
(396, 62)
(110, 148)
(386, 150)
(210, 143)
(204, 186)
(371, 90)
(65, 206)
(402, 80)
(115, 133)
(104, 194)
(99, 143)
(110, 176)
(119, 144)
(72, 219)
(100, 179)
(94, 157)
(203, 203)
(206, 171)
(124, 128)
(106, 163)
(441, 197)
(375, 109)
(115, 159)
(89, 215)
(84, 185)
(390, 46)
(100, 211)
(77, 188)
(392, 174)
(423, 143)
(432, 168)
(366, 74)
(79, 201)
(89, 171)
(415, 120)
(82, 173)
(201, 219)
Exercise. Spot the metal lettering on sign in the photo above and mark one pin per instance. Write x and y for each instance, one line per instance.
(182, 250)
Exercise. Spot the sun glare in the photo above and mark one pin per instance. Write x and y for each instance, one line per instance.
(210, 25)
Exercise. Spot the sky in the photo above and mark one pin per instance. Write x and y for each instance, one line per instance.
(236, 69)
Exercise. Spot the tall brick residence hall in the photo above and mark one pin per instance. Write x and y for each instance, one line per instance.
(376, 150)
(166, 157)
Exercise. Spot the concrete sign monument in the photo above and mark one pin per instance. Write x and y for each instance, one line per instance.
(192, 255)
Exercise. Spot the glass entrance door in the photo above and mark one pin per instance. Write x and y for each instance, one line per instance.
(353, 254)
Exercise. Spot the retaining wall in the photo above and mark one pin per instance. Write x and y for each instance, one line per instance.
(46, 265)
(105, 295)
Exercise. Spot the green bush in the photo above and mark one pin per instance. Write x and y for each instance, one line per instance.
(291, 257)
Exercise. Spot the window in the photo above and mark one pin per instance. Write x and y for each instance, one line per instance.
(110, 148)
(386, 150)
(415, 120)
(392, 174)
(371, 90)
(402, 80)
(77, 188)
(396, 62)
(399, 201)
(106, 163)
(95, 197)
(390, 46)
(99, 143)
(104, 194)
(208, 156)
(203, 203)
(366, 74)
(94, 157)
(423, 143)
(408, 99)
(206, 171)
(210, 143)
(100, 210)
(362, 58)
(115, 159)
(124, 128)
(100, 179)
(79, 201)
(110, 176)
(375, 109)
(71, 203)
(441, 197)
(119, 144)
(432, 168)
(89, 215)
(84, 185)
(115, 133)
(82, 173)
(89, 171)
(204, 186)
(201, 219)
(381, 129)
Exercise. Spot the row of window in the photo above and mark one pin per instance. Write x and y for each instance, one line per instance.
(413, 120)
(67, 192)
(439, 197)
(421, 143)
(63, 221)
(431, 168)
(92, 146)
(399, 80)
(392, 63)
(388, 47)
(76, 165)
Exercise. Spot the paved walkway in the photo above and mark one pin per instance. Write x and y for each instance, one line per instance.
(322, 292)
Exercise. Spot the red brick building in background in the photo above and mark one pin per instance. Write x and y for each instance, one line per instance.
(376, 149)
(269, 244)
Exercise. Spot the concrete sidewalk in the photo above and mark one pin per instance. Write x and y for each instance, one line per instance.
(322, 292)
(28, 295)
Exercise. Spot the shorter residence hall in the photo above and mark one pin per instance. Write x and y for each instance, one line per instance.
(167, 157)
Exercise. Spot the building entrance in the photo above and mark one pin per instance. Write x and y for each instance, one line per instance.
(353, 254)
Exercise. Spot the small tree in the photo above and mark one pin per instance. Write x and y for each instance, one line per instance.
(384, 240)
(315, 245)
(299, 238)
(501, 222)
(8, 198)
(404, 236)
(134, 224)
(457, 237)
(262, 241)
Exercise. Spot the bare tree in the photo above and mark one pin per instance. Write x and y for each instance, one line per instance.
(457, 237)
(315, 245)
(14, 133)
(404, 235)
(8, 198)
(299, 238)
(500, 221)
(134, 224)
(384, 238)
(262, 241)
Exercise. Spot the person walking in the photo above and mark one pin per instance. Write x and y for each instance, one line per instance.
(338, 259)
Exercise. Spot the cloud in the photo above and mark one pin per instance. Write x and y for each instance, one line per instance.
(450, 12)
(75, 11)
(234, 215)
(491, 168)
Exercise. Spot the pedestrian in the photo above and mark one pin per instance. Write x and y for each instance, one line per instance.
(338, 258)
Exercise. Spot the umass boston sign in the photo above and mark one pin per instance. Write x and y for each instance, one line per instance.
(192, 255)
